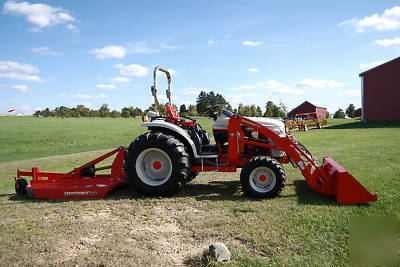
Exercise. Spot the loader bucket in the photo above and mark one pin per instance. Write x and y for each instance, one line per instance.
(335, 180)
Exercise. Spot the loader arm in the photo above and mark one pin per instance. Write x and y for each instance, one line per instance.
(328, 179)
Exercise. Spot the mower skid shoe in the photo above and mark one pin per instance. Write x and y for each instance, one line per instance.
(342, 184)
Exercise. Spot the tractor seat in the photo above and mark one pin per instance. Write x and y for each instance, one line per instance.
(172, 113)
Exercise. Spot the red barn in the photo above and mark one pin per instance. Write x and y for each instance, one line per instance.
(380, 92)
(307, 107)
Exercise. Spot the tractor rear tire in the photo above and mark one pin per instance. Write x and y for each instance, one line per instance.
(262, 177)
(157, 164)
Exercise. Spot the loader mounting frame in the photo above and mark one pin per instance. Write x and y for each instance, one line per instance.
(328, 179)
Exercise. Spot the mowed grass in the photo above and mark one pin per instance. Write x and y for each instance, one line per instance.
(125, 228)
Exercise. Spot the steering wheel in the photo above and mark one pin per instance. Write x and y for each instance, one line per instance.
(211, 111)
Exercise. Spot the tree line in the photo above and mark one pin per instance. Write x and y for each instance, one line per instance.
(82, 111)
(203, 102)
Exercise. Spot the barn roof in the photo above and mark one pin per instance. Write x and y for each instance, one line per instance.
(379, 66)
(308, 103)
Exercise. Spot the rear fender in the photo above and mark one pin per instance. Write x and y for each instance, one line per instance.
(176, 129)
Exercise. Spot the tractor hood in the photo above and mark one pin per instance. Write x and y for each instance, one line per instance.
(275, 125)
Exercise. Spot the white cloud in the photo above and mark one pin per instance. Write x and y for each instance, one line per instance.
(21, 77)
(270, 85)
(389, 42)
(350, 93)
(388, 20)
(25, 108)
(194, 91)
(251, 43)
(63, 95)
(45, 51)
(19, 88)
(16, 66)
(106, 86)
(132, 70)
(239, 98)
(372, 64)
(172, 72)
(120, 80)
(110, 51)
(164, 97)
(72, 27)
(210, 42)
(309, 83)
(40, 15)
(244, 87)
(83, 96)
(146, 48)
(253, 70)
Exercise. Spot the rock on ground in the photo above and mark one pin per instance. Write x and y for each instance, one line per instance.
(220, 252)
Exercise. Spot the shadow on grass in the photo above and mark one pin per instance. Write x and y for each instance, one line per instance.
(307, 196)
(365, 125)
(214, 190)
(203, 259)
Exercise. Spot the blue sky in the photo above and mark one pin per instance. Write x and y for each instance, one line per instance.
(55, 53)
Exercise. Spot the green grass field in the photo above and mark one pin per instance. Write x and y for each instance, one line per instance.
(125, 228)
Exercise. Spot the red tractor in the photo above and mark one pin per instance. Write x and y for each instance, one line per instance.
(161, 161)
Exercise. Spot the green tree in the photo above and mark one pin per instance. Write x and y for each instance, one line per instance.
(104, 111)
(269, 109)
(115, 114)
(240, 109)
(259, 111)
(192, 110)
(206, 100)
(350, 111)
(125, 112)
(339, 114)
(82, 111)
(182, 109)
(202, 102)
(328, 115)
(63, 112)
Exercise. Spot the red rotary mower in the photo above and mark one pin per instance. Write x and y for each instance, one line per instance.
(161, 161)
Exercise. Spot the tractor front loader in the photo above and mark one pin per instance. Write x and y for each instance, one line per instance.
(161, 161)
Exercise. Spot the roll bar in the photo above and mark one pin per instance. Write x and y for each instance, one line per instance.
(154, 87)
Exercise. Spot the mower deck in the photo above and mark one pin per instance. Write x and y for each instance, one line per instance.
(80, 183)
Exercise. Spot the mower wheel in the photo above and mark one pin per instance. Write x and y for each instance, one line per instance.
(157, 164)
(20, 189)
(262, 177)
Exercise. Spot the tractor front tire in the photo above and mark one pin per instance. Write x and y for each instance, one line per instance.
(157, 164)
(262, 177)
